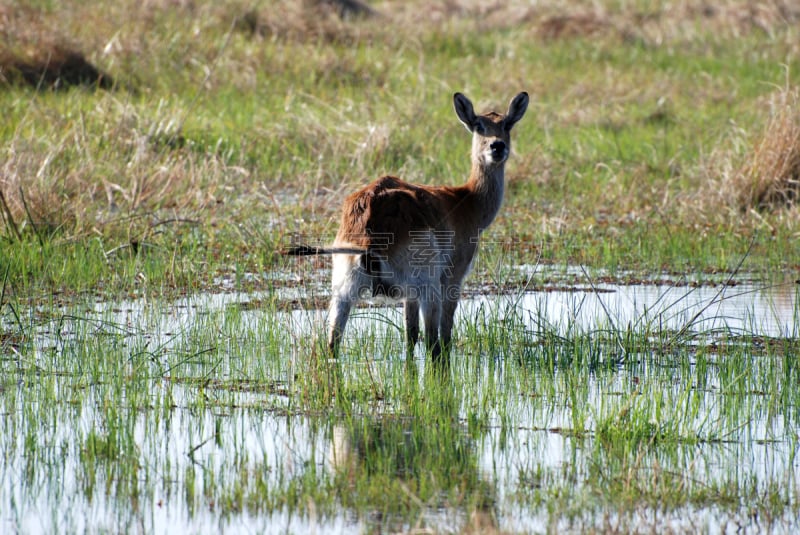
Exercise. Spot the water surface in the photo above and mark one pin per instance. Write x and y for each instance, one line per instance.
(208, 424)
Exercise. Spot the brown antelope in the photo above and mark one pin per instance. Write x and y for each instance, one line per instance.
(416, 243)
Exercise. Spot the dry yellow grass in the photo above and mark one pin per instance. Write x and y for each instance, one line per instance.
(654, 24)
(34, 52)
(751, 175)
(769, 178)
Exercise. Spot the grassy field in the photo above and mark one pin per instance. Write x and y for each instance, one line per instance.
(659, 138)
(158, 359)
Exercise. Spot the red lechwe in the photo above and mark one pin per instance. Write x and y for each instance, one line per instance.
(416, 243)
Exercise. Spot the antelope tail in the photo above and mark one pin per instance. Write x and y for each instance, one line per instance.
(308, 250)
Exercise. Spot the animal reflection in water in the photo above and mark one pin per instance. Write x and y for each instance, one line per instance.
(396, 451)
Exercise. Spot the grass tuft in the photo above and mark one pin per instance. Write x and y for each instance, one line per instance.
(34, 52)
(327, 21)
(769, 178)
(52, 66)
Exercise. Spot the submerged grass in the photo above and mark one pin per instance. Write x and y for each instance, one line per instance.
(210, 410)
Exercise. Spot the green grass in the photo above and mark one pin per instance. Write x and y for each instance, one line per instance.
(228, 143)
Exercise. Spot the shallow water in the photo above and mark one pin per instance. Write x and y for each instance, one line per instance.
(528, 452)
(741, 309)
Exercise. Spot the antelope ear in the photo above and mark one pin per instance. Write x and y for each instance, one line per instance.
(516, 109)
(465, 112)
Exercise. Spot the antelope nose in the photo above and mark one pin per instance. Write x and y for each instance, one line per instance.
(498, 150)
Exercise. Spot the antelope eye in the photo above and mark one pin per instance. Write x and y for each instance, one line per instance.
(479, 128)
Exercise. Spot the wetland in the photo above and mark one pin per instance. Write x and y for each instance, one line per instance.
(635, 407)
(625, 352)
